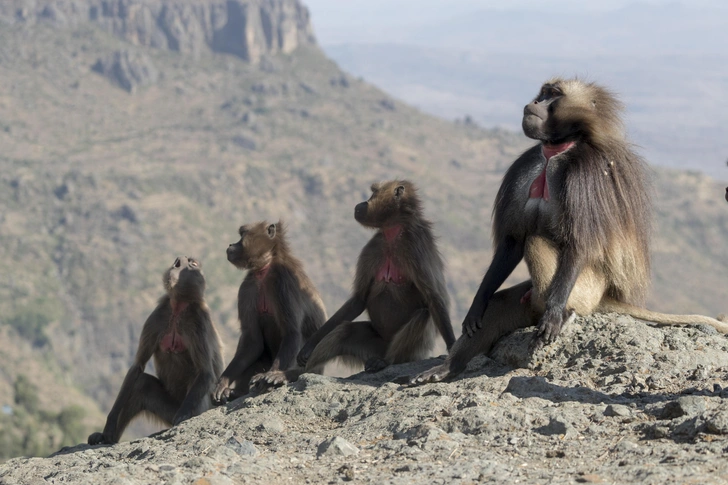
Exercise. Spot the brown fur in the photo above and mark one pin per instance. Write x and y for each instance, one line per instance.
(586, 244)
(399, 282)
(185, 376)
(278, 307)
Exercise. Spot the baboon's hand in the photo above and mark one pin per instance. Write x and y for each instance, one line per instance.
(549, 327)
(375, 364)
(265, 380)
(472, 323)
(99, 439)
(304, 354)
(436, 374)
(222, 391)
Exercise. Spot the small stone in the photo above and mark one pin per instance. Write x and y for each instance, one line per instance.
(555, 454)
(617, 410)
(661, 432)
(557, 426)
(691, 405)
(718, 422)
(700, 373)
(336, 446)
(671, 410)
(626, 446)
(242, 448)
(684, 406)
(347, 471)
(273, 425)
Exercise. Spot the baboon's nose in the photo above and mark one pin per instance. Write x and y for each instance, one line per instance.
(360, 211)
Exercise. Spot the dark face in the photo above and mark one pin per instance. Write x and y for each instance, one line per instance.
(540, 117)
(726, 194)
(383, 206)
(254, 249)
(184, 279)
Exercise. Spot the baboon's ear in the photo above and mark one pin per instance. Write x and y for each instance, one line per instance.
(272, 231)
(399, 191)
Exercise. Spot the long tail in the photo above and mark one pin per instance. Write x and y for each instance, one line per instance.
(662, 319)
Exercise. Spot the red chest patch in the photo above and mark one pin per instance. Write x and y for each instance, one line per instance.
(390, 273)
(172, 340)
(540, 186)
(262, 302)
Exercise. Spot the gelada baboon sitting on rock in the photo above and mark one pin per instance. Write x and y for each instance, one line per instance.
(180, 336)
(576, 208)
(399, 282)
(278, 307)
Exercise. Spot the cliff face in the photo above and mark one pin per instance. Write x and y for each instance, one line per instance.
(248, 29)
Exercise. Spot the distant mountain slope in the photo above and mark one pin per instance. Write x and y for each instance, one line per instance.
(101, 186)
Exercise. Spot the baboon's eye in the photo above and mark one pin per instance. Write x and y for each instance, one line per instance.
(176, 263)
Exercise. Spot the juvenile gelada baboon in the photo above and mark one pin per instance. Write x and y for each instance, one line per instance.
(187, 353)
(576, 207)
(278, 307)
(399, 282)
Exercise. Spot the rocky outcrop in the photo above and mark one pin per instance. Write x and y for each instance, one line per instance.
(614, 400)
(248, 29)
(128, 70)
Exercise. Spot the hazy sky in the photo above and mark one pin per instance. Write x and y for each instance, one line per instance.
(344, 21)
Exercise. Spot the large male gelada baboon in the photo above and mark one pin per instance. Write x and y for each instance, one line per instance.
(187, 353)
(399, 282)
(278, 307)
(576, 207)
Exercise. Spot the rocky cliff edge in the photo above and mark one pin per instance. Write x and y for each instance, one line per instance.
(614, 400)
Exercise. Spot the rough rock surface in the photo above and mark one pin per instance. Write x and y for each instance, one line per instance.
(249, 29)
(614, 400)
(127, 69)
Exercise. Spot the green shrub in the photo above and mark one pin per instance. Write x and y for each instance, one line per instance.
(30, 325)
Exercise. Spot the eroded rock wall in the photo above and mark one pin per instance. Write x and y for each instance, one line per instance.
(248, 29)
